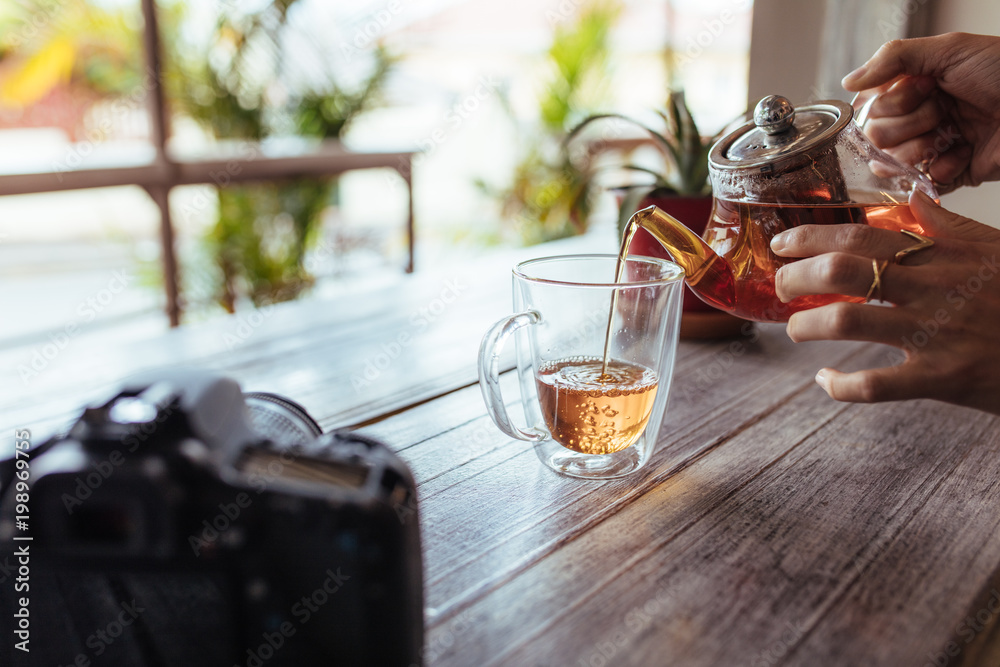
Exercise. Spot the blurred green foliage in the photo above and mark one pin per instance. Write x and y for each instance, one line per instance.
(551, 195)
(237, 85)
(239, 88)
(578, 60)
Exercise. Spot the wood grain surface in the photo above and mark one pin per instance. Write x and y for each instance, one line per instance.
(347, 358)
(773, 526)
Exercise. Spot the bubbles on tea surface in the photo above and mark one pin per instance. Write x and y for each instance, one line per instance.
(595, 412)
(584, 374)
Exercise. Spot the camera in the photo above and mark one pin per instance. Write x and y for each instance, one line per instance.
(183, 522)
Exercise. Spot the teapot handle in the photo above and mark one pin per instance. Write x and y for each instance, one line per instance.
(861, 116)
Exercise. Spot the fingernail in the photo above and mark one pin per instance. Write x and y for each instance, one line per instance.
(856, 74)
(779, 242)
(821, 377)
(777, 286)
(926, 198)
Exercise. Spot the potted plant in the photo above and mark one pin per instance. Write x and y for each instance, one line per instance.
(683, 190)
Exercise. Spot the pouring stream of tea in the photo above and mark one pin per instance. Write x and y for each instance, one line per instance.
(630, 231)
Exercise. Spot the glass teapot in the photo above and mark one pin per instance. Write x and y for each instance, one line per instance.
(787, 167)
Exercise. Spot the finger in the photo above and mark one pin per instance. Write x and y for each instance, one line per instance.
(863, 240)
(913, 57)
(948, 166)
(914, 151)
(865, 96)
(947, 161)
(893, 130)
(903, 97)
(938, 221)
(841, 273)
(850, 321)
(892, 383)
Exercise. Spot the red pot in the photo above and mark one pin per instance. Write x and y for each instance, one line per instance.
(699, 320)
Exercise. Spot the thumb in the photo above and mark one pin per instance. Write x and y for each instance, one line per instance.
(940, 222)
(911, 57)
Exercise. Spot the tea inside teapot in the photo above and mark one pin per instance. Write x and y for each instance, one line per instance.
(741, 233)
(788, 167)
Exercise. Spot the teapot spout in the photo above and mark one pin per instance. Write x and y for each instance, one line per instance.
(706, 273)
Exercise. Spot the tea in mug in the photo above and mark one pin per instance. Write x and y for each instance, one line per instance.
(595, 406)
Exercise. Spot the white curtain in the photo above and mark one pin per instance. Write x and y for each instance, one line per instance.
(854, 29)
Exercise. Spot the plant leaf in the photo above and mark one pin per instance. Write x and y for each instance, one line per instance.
(660, 182)
(668, 147)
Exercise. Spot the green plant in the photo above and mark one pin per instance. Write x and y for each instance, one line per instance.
(326, 111)
(262, 231)
(685, 152)
(550, 196)
(548, 199)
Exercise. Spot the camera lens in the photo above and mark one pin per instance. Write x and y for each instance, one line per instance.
(281, 420)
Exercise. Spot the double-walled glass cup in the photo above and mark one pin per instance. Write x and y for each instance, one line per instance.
(586, 418)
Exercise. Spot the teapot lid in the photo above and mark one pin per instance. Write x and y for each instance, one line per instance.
(779, 131)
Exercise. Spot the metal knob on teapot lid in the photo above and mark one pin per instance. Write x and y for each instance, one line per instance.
(774, 114)
(780, 131)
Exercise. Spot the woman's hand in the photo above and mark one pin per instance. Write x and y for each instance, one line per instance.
(940, 105)
(947, 298)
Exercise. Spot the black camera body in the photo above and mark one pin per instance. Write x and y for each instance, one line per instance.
(250, 537)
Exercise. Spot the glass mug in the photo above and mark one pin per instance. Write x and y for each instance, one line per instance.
(586, 419)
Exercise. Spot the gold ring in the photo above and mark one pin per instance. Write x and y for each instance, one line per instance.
(922, 244)
(876, 287)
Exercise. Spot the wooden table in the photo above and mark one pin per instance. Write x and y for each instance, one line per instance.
(773, 526)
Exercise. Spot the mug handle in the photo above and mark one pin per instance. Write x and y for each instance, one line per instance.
(489, 374)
